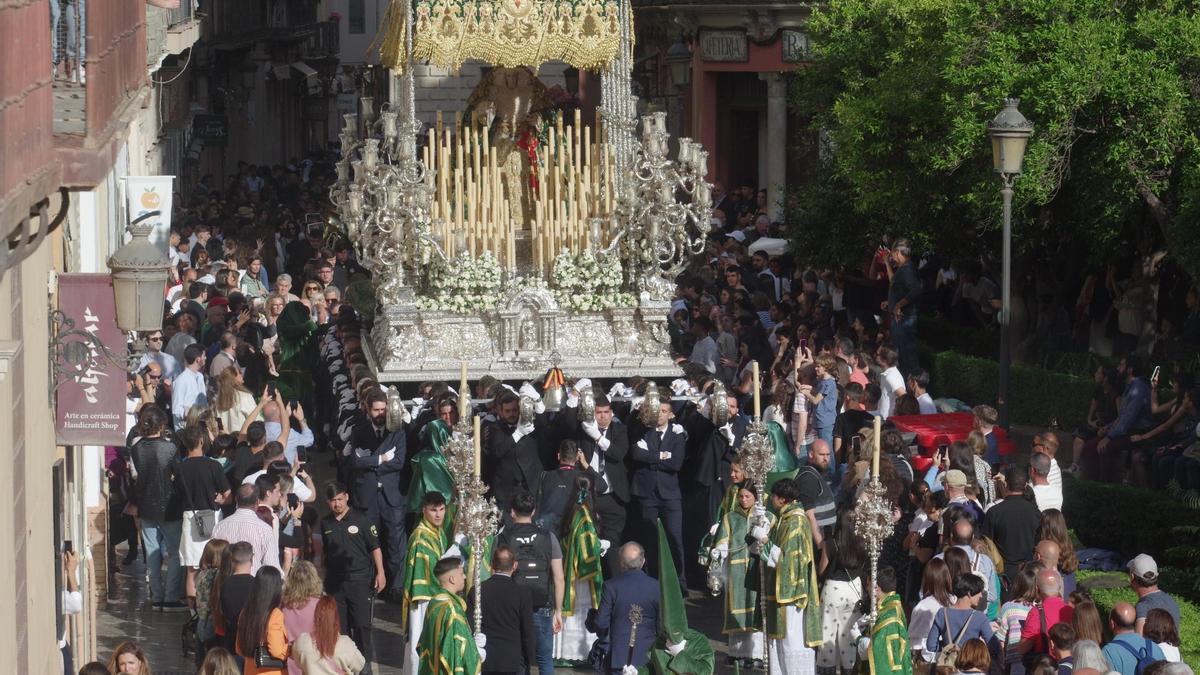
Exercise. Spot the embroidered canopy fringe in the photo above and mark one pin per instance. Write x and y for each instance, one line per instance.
(507, 33)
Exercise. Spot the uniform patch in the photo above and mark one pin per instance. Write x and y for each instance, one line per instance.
(353, 529)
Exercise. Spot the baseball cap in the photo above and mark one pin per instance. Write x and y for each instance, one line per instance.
(1144, 568)
(955, 478)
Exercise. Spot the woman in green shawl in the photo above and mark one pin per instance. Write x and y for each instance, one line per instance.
(430, 473)
(297, 353)
(582, 573)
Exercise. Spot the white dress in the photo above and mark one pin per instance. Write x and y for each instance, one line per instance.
(790, 655)
(574, 642)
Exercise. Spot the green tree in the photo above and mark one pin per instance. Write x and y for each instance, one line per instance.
(902, 91)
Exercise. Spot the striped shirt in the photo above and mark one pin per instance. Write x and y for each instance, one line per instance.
(245, 525)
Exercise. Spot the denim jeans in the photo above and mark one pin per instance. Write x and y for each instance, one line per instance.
(543, 625)
(904, 339)
(161, 540)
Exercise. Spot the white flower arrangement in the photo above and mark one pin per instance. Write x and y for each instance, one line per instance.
(589, 281)
(463, 284)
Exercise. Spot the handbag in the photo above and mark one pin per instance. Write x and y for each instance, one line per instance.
(263, 658)
(203, 522)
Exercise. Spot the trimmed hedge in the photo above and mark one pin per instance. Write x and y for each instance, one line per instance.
(1125, 519)
(1038, 396)
(1105, 598)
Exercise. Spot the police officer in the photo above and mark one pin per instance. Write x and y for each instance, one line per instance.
(353, 565)
(376, 461)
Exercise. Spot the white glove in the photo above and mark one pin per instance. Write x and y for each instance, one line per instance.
(528, 390)
(453, 552)
(460, 540)
(760, 511)
(572, 399)
(619, 389)
(629, 670)
(773, 556)
(405, 416)
(713, 530)
(592, 430)
(720, 552)
(604, 546)
(387, 456)
(727, 432)
(664, 456)
(674, 648)
(760, 533)
(679, 386)
(539, 407)
(522, 431)
(418, 402)
(480, 640)
(581, 384)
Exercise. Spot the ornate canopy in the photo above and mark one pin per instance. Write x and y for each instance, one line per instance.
(509, 33)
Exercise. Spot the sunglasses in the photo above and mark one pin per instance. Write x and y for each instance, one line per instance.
(312, 288)
(155, 338)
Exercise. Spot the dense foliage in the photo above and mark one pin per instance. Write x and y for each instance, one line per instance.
(902, 91)
(1109, 588)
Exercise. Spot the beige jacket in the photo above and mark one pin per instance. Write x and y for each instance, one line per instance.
(346, 659)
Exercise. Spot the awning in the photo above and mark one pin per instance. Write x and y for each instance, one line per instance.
(303, 69)
(507, 33)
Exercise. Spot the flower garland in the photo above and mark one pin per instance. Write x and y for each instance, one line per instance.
(589, 281)
(463, 284)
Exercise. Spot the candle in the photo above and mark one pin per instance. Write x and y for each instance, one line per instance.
(462, 388)
(875, 454)
(478, 451)
(754, 369)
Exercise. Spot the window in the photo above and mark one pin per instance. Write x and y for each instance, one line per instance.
(358, 16)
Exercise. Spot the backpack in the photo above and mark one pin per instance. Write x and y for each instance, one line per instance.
(948, 654)
(533, 549)
(1144, 657)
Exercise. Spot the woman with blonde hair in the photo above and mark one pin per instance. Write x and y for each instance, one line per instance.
(301, 591)
(233, 402)
(128, 659)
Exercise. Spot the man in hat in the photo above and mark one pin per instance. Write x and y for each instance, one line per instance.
(446, 645)
(680, 650)
(793, 604)
(1143, 578)
(955, 483)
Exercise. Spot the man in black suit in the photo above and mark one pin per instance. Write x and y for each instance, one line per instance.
(605, 443)
(376, 458)
(511, 462)
(507, 618)
(657, 458)
(629, 595)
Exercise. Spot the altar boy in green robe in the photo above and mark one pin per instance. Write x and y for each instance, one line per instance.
(887, 649)
(793, 604)
(738, 552)
(446, 646)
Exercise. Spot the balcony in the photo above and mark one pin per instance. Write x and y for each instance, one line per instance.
(237, 23)
(169, 30)
(323, 42)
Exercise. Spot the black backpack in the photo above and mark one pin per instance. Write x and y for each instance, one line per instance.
(533, 549)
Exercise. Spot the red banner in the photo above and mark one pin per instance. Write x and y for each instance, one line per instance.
(90, 399)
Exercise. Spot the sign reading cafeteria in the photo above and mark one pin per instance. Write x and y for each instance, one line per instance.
(724, 45)
(90, 398)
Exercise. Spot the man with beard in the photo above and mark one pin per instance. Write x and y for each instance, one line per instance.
(511, 460)
(353, 565)
(377, 457)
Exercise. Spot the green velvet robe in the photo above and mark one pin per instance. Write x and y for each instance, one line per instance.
(447, 646)
(425, 547)
(742, 580)
(581, 560)
(890, 652)
(793, 580)
(429, 475)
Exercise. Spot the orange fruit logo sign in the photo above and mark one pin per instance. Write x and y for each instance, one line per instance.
(151, 199)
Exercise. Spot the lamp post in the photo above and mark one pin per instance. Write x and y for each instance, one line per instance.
(679, 61)
(140, 272)
(1010, 133)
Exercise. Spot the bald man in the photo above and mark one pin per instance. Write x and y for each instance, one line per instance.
(1127, 647)
(1049, 610)
(1048, 553)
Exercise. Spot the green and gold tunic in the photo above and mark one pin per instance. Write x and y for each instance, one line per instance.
(793, 580)
(581, 560)
(890, 653)
(446, 646)
(742, 579)
(425, 547)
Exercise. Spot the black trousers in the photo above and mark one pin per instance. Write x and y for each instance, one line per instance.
(611, 513)
(393, 538)
(354, 602)
(671, 513)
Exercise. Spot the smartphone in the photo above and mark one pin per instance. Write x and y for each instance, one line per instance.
(803, 345)
(271, 391)
(302, 454)
(68, 547)
(293, 501)
(1154, 376)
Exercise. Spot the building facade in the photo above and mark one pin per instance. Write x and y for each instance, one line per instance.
(734, 97)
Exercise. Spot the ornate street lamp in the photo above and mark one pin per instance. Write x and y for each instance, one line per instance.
(679, 59)
(140, 272)
(1010, 133)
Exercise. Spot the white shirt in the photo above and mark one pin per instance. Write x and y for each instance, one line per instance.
(927, 405)
(705, 354)
(921, 622)
(598, 459)
(889, 381)
(1048, 497)
(298, 487)
(189, 389)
